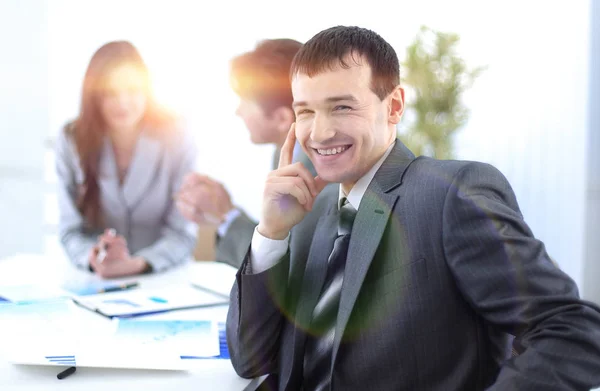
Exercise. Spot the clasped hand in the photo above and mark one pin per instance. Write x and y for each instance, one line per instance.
(203, 200)
(117, 262)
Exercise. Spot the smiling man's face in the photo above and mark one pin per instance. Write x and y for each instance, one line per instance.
(341, 123)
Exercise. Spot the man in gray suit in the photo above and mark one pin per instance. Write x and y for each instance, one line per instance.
(416, 275)
(261, 79)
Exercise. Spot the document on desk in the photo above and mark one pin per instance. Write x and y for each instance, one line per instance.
(152, 344)
(29, 293)
(198, 338)
(40, 332)
(137, 302)
(51, 334)
(92, 286)
(217, 277)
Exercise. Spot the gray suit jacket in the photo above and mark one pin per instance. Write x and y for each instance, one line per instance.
(142, 209)
(232, 247)
(441, 271)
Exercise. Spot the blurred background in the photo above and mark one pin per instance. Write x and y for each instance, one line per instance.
(534, 109)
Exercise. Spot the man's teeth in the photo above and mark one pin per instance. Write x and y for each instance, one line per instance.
(331, 151)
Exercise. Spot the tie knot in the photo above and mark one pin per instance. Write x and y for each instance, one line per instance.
(347, 215)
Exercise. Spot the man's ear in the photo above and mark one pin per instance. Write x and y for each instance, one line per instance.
(284, 117)
(396, 105)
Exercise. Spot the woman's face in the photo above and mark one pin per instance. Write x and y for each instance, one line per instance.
(123, 101)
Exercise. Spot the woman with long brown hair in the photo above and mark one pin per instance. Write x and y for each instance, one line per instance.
(119, 163)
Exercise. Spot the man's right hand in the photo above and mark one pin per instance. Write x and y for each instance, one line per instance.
(289, 194)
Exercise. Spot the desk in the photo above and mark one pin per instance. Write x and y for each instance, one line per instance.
(34, 269)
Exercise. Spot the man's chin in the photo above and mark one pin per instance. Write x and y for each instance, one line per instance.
(335, 177)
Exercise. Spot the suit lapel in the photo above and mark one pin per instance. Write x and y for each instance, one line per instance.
(369, 226)
(142, 169)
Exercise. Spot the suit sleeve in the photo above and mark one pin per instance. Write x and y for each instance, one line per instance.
(506, 275)
(77, 241)
(233, 246)
(255, 320)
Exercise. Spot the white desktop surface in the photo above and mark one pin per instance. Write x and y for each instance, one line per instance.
(35, 269)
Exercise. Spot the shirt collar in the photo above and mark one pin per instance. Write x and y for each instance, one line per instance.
(358, 190)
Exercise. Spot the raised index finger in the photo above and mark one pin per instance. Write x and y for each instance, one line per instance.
(287, 151)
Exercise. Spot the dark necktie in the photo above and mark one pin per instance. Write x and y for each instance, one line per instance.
(318, 348)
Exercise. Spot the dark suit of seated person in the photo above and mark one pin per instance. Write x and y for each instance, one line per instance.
(119, 165)
(261, 80)
(415, 275)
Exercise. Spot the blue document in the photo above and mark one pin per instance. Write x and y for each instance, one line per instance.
(29, 293)
(189, 338)
(54, 333)
(137, 302)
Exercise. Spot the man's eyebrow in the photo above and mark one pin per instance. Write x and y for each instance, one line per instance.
(339, 98)
(331, 99)
(299, 104)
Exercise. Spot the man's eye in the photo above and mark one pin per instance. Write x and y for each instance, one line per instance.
(304, 111)
(342, 108)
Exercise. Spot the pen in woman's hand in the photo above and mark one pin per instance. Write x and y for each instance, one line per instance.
(104, 248)
(120, 287)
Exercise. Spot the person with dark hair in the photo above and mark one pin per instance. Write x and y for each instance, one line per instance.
(261, 80)
(119, 164)
(417, 274)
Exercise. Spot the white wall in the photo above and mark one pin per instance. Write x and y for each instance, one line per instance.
(23, 123)
(529, 109)
(592, 247)
(529, 116)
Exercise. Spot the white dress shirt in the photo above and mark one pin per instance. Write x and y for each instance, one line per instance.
(265, 252)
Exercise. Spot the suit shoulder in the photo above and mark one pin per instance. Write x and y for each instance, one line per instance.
(443, 174)
(67, 133)
(464, 179)
(453, 168)
(64, 144)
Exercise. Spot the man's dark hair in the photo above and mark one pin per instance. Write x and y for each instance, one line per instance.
(330, 48)
(262, 75)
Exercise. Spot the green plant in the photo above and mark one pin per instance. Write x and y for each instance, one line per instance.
(436, 77)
